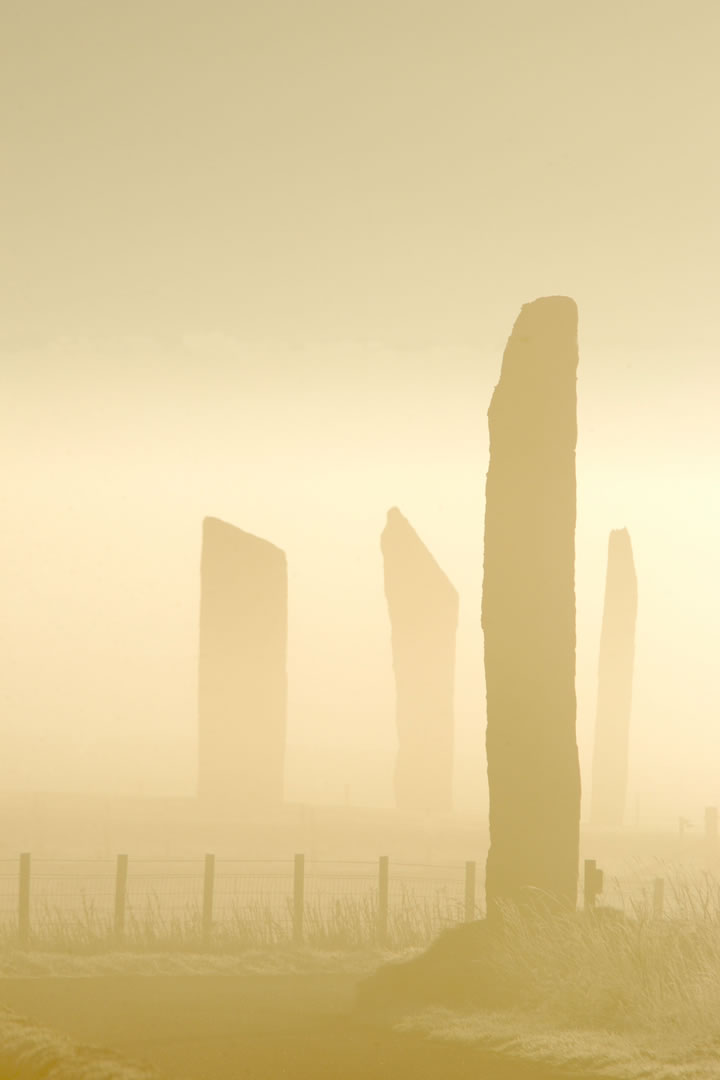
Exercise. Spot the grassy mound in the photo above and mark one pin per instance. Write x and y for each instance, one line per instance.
(603, 971)
(29, 1052)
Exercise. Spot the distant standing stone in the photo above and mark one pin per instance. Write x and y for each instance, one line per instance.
(423, 608)
(242, 667)
(615, 677)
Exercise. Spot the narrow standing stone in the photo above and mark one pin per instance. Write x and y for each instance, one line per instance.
(242, 667)
(423, 608)
(528, 611)
(615, 676)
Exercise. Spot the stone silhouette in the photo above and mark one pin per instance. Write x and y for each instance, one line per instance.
(242, 667)
(528, 612)
(615, 675)
(423, 608)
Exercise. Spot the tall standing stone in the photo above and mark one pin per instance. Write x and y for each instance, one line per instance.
(423, 608)
(528, 611)
(615, 676)
(242, 667)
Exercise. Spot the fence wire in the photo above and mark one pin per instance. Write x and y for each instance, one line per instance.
(73, 903)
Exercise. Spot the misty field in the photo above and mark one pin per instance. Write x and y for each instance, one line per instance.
(73, 905)
(581, 995)
(594, 991)
(81, 905)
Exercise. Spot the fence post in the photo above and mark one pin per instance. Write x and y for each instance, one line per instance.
(590, 885)
(24, 901)
(469, 891)
(298, 899)
(658, 897)
(121, 870)
(383, 895)
(208, 890)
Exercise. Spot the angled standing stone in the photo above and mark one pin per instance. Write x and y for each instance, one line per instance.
(242, 667)
(423, 608)
(615, 675)
(528, 611)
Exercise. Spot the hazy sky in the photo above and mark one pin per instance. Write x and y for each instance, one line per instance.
(361, 170)
(260, 261)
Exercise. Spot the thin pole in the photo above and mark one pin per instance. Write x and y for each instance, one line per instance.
(121, 871)
(24, 901)
(469, 891)
(589, 885)
(383, 895)
(208, 891)
(298, 899)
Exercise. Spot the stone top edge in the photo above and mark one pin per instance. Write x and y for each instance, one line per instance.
(396, 519)
(233, 532)
(620, 544)
(559, 300)
(560, 312)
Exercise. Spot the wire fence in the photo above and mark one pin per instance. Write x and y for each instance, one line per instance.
(93, 904)
(212, 902)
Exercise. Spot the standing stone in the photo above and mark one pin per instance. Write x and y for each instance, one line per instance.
(423, 608)
(615, 675)
(528, 611)
(243, 667)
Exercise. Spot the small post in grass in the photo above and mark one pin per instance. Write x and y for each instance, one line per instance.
(469, 891)
(24, 901)
(593, 884)
(658, 897)
(383, 894)
(298, 899)
(208, 890)
(121, 871)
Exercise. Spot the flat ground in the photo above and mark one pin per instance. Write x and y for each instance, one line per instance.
(247, 1027)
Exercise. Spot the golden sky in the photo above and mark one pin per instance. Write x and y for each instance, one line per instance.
(260, 261)
(358, 170)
